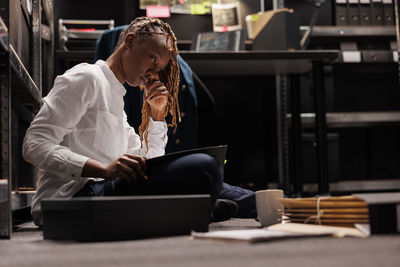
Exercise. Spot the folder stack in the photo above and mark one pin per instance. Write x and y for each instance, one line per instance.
(335, 211)
(364, 12)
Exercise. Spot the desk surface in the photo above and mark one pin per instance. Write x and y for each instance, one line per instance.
(248, 63)
(265, 54)
(245, 63)
(325, 55)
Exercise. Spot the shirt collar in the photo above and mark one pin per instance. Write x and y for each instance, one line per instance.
(112, 79)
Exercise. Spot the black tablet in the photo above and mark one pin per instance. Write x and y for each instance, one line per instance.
(218, 152)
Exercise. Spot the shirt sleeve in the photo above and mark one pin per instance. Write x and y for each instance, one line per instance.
(157, 140)
(73, 93)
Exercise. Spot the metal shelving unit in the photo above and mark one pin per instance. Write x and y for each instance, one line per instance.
(351, 119)
(21, 93)
(351, 31)
(5, 187)
(358, 44)
(361, 48)
(25, 88)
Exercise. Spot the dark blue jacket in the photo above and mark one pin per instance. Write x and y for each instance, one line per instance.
(186, 134)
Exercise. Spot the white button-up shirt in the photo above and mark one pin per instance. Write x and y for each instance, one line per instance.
(82, 117)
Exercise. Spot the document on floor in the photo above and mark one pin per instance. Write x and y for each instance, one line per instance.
(280, 231)
(308, 229)
(251, 235)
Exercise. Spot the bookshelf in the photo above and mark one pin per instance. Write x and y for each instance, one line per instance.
(362, 101)
(27, 41)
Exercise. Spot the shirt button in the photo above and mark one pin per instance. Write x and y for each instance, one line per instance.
(183, 87)
(73, 175)
(177, 141)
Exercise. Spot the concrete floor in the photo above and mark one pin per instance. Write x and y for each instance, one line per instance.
(27, 248)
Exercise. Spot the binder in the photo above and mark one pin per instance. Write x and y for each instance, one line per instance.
(377, 56)
(341, 15)
(388, 12)
(377, 12)
(384, 211)
(365, 12)
(353, 12)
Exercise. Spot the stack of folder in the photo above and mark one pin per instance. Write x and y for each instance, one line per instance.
(364, 12)
(335, 211)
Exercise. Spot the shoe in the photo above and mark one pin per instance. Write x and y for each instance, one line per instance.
(223, 210)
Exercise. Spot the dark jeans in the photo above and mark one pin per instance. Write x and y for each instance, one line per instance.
(191, 174)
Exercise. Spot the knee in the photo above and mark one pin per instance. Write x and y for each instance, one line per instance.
(210, 167)
(209, 164)
(197, 172)
(215, 172)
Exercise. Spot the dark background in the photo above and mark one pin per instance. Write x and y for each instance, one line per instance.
(245, 117)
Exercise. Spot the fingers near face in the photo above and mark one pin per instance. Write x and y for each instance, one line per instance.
(157, 89)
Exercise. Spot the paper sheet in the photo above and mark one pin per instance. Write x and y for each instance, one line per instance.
(252, 235)
(302, 228)
(280, 231)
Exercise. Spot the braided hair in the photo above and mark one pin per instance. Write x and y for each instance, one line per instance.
(169, 76)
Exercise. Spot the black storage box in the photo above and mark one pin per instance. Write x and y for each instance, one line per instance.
(384, 212)
(280, 33)
(123, 218)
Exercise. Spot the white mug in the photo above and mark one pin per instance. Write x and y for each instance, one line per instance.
(269, 207)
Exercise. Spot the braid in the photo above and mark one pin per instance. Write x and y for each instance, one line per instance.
(169, 76)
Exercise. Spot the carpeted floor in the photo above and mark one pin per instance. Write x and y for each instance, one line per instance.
(27, 248)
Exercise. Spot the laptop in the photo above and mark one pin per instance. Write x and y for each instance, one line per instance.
(219, 41)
